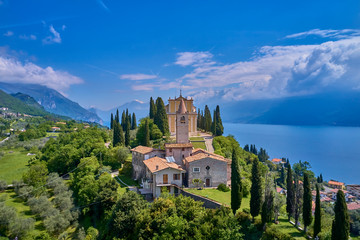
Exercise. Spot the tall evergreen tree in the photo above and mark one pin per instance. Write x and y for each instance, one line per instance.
(341, 226)
(213, 125)
(246, 147)
(321, 178)
(118, 138)
(256, 189)
(117, 119)
(152, 112)
(267, 210)
(307, 205)
(263, 156)
(147, 134)
(317, 222)
(219, 127)
(299, 194)
(282, 176)
(112, 121)
(236, 185)
(127, 134)
(123, 119)
(199, 119)
(133, 122)
(290, 196)
(208, 120)
(161, 119)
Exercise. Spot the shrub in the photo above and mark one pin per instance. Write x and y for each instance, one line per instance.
(3, 185)
(222, 187)
(272, 233)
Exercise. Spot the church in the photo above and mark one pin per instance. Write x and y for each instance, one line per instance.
(179, 163)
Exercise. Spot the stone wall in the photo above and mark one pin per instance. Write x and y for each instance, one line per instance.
(207, 202)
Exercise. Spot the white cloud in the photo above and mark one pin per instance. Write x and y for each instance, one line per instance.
(138, 76)
(281, 71)
(8, 33)
(63, 27)
(161, 85)
(53, 38)
(28, 37)
(327, 33)
(194, 58)
(14, 71)
(102, 4)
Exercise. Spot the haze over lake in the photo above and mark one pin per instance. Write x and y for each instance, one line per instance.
(332, 151)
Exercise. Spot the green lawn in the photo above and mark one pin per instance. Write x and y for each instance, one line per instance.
(199, 145)
(225, 198)
(196, 139)
(13, 164)
(52, 134)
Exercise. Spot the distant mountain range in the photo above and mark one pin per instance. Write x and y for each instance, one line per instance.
(52, 101)
(21, 103)
(334, 108)
(140, 109)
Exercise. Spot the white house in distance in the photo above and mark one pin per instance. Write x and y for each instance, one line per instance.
(179, 163)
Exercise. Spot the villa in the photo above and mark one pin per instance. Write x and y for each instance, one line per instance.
(179, 164)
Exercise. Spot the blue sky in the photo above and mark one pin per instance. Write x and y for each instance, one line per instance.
(106, 53)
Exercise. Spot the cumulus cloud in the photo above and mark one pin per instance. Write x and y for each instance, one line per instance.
(161, 85)
(327, 33)
(194, 58)
(14, 71)
(281, 71)
(54, 36)
(8, 33)
(137, 76)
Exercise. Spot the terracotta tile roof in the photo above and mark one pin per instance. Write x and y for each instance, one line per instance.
(279, 189)
(336, 190)
(196, 151)
(178, 145)
(201, 155)
(353, 206)
(276, 160)
(326, 199)
(156, 164)
(336, 183)
(142, 149)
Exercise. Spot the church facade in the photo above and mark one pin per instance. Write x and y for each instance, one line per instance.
(173, 106)
(179, 163)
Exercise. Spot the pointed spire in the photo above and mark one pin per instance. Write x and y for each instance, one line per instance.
(182, 107)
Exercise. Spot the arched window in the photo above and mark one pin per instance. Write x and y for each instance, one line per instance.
(182, 119)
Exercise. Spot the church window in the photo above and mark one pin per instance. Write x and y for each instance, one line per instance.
(196, 169)
(182, 119)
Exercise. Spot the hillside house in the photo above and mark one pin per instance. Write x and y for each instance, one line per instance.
(336, 184)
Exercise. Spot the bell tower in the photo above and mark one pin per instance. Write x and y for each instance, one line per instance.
(182, 124)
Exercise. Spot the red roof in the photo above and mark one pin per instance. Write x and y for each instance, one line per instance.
(353, 206)
(336, 183)
(276, 160)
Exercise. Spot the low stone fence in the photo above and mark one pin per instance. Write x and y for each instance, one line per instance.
(208, 203)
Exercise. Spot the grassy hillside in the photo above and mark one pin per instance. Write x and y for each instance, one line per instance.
(16, 105)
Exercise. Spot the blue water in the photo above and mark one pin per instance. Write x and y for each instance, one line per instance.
(332, 151)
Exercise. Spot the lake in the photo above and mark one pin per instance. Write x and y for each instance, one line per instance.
(332, 151)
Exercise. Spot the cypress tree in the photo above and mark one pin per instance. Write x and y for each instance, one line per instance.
(267, 209)
(123, 119)
(282, 176)
(307, 204)
(133, 123)
(208, 120)
(290, 196)
(112, 121)
(246, 147)
(321, 178)
(161, 119)
(341, 227)
(152, 112)
(199, 119)
(127, 134)
(236, 185)
(299, 195)
(317, 222)
(118, 138)
(256, 189)
(213, 125)
(219, 126)
(147, 134)
(117, 119)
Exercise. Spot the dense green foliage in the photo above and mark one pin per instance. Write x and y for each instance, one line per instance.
(160, 118)
(317, 221)
(307, 202)
(236, 186)
(147, 131)
(152, 112)
(290, 196)
(341, 226)
(256, 189)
